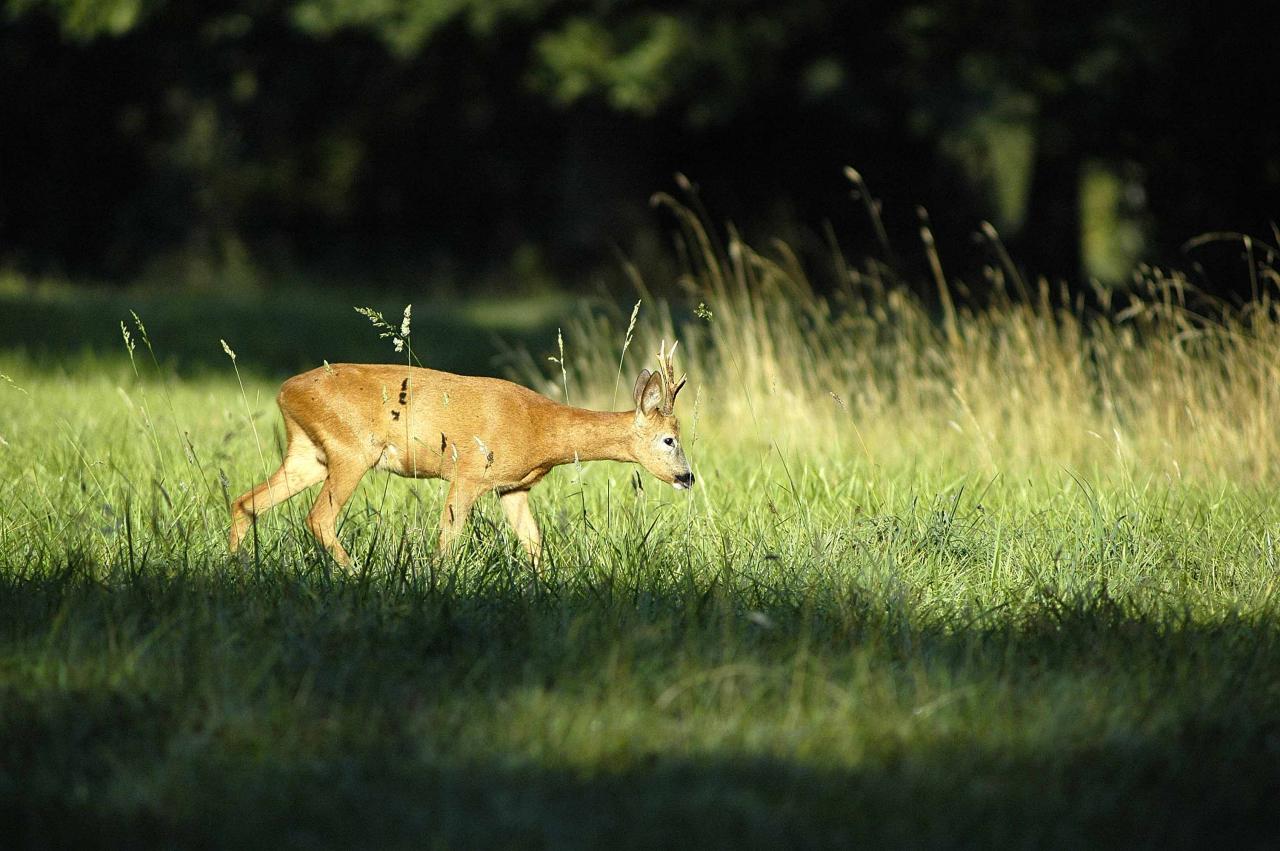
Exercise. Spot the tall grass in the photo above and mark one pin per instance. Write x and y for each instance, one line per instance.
(1157, 380)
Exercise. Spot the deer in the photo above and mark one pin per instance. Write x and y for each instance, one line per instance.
(480, 434)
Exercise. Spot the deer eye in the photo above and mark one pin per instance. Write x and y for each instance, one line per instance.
(669, 441)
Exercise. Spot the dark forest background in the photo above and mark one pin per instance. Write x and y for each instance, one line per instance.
(515, 143)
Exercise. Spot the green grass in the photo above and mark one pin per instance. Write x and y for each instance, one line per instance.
(1014, 586)
(278, 332)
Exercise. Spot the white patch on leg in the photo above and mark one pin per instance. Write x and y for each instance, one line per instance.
(389, 460)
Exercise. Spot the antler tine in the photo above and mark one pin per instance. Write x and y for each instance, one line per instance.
(666, 366)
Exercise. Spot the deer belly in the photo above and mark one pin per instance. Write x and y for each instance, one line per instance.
(531, 478)
(416, 465)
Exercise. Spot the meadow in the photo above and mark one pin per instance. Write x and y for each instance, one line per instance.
(997, 573)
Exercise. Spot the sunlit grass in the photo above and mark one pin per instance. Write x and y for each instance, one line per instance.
(1007, 578)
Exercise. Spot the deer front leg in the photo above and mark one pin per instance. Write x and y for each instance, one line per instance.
(516, 506)
(457, 507)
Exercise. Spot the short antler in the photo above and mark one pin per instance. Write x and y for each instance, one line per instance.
(670, 386)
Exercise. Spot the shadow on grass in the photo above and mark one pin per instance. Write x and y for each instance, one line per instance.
(961, 797)
(293, 709)
(275, 333)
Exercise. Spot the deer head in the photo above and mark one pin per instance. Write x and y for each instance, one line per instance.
(656, 439)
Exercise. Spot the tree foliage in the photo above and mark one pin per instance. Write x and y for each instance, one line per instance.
(464, 130)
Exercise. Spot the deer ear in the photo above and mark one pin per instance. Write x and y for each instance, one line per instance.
(651, 396)
(639, 388)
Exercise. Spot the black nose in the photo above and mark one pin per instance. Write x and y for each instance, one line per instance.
(685, 479)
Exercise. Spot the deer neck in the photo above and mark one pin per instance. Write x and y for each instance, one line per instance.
(576, 434)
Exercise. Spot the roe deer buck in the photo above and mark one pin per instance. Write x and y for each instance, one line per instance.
(481, 434)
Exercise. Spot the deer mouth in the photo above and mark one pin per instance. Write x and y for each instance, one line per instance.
(683, 482)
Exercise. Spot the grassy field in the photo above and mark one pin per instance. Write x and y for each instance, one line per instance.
(987, 577)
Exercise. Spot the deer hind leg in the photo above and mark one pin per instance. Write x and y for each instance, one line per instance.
(322, 521)
(457, 507)
(516, 506)
(300, 469)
